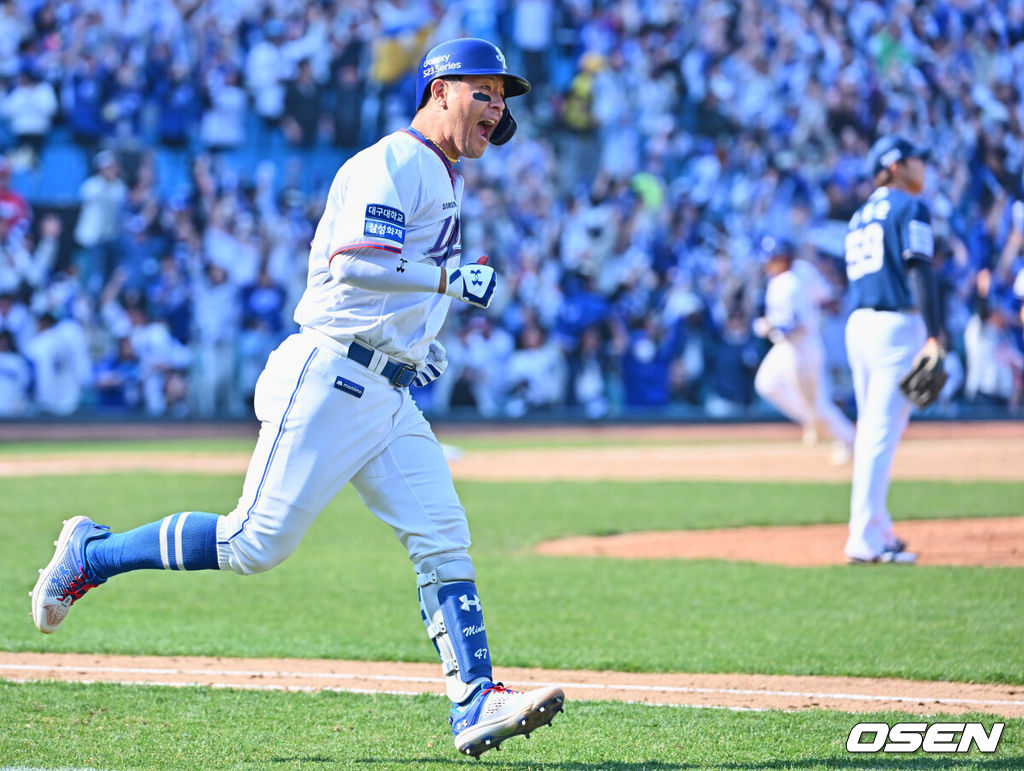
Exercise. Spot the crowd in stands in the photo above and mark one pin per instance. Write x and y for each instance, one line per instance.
(165, 163)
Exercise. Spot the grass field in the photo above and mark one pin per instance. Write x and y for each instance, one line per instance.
(348, 593)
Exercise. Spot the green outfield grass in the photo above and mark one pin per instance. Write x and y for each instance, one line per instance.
(110, 726)
(348, 592)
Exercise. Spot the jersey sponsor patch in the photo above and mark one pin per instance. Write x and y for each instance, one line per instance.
(385, 222)
(349, 387)
(384, 230)
(378, 211)
(921, 240)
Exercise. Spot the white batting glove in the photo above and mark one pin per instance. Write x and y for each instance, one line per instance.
(473, 284)
(433, 366)
(762, 327)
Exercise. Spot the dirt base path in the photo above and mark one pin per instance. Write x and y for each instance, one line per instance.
(772, 452)
(698, 690)
(989, 542)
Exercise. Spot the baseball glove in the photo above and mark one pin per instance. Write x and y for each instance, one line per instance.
(923, 384)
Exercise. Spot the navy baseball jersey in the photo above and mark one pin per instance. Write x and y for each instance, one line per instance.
(888, 229)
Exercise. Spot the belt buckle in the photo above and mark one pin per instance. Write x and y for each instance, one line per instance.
(403, 376)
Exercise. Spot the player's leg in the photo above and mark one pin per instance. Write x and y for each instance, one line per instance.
(907, 337)
(776, 383)
(317, 436)
(858, 342)
(298, 465)
(812, 365)
(409, 486)
(885, 347)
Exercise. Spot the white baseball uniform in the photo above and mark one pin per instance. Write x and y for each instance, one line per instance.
(335, 407)
(327, 419)
(792, 375)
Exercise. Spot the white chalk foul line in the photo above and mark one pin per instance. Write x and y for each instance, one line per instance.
(438, 681)
(337, 689)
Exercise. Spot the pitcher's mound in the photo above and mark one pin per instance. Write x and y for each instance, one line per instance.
(996, 541)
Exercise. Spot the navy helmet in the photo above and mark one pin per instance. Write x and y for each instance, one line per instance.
(890, 149)
(471, 56)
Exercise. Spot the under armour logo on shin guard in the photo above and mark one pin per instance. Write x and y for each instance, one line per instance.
(468, 604)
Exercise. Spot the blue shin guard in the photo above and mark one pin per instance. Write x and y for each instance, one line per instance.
(453, 615)
(464, 622)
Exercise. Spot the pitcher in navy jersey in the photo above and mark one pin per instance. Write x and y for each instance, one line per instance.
(888, 249)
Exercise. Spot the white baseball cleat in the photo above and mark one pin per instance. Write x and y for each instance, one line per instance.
(497, 713)
(842, 453)
(65, 579)
(888, 556)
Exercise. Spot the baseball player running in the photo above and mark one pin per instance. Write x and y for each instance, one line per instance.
(334, 400)
(792, 374)
(895, 321)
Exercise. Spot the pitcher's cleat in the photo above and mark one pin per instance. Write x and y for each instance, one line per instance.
(888, 556)
(497, 713)
(66, 578)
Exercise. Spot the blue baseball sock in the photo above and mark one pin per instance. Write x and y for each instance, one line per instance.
(183, 541)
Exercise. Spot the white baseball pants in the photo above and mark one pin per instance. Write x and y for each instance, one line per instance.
(881, 346)
(792, 379)
(316, 437)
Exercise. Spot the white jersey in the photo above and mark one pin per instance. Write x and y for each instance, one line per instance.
(397, 201)
(794, 298)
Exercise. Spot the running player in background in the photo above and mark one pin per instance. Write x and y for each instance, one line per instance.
(889, 247)
(792, 374)
(334, 401)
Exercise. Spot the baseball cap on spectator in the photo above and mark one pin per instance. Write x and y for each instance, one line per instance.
(890, 149)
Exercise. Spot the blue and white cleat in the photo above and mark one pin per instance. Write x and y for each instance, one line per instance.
(65, 579)
(497, 713)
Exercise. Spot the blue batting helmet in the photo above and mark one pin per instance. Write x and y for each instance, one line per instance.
(890, 149)
(772, 247)
(471, 56)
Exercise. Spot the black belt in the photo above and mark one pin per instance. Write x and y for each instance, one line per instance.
(398, 373)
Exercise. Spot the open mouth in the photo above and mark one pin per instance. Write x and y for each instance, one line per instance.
(486, 127)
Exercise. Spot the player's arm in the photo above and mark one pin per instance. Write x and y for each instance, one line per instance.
(923, 283)
(473, 284)
(366, 268)
(369, 234)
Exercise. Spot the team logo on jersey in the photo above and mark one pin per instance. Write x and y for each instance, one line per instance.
(385, 222)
